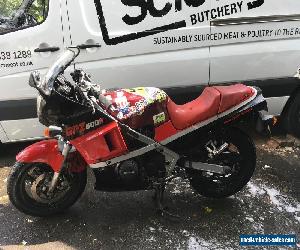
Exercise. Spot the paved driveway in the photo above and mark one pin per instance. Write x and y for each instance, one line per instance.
(269, 204)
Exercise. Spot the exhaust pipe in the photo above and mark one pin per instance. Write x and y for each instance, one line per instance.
(265, 122)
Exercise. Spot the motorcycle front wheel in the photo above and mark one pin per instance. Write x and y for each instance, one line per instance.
(28, 185)
(240, 156)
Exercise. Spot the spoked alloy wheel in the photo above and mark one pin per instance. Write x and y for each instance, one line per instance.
(28, 186)
(239, 156)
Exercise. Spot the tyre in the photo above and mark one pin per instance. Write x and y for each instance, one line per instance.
(293, 116)
(240, 156)
(28, 184)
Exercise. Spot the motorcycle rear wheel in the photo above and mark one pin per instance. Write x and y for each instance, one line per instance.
(242, 162)
(27, 189)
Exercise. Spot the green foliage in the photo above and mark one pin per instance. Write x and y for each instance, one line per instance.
(38, 9)
(7, 7)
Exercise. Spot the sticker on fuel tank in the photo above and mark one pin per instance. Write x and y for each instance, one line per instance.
(126, 20)
(159, 118)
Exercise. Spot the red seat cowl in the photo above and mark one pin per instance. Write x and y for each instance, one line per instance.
(233, 95)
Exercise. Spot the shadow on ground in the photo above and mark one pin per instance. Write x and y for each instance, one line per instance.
(8, 152)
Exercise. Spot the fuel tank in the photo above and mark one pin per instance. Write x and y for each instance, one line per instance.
(137, 107)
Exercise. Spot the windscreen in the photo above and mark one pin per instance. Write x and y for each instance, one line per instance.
(57, 68)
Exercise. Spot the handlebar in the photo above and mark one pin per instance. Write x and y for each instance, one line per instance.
(82, 90)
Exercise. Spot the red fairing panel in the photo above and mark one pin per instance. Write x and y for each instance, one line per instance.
(165, 131)
(101, 144)
(42, 152)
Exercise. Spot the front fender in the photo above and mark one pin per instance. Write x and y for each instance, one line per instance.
(42, 152)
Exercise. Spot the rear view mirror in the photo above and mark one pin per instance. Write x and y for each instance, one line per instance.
(34, 79)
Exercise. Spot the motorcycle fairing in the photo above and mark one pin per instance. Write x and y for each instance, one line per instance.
(101, 144)
(165, 131)
(43, 152)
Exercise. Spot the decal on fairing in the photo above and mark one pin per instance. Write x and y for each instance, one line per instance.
(160, 118)
(127, 103)
(82, 127)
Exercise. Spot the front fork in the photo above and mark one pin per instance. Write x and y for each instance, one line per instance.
(65, 152)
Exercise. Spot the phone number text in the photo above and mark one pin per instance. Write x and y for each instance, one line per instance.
(19, 54)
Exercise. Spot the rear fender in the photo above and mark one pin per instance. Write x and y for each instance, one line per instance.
(258, 104)
(42, 152)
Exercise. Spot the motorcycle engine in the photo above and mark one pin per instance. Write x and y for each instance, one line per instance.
(128, 171)
(133, 174)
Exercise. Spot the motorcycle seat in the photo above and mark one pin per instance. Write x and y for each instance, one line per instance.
(233, 95)
(212, 101)
(200, 109)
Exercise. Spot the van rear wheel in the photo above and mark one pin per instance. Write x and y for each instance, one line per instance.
(293, 116)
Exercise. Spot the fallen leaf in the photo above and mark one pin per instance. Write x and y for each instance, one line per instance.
(207, 210)
(4, 199)
(273, 144)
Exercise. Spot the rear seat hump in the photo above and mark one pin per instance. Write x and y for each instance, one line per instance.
(213, 101)
(233, 95)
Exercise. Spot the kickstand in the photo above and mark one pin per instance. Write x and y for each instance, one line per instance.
(159, 190)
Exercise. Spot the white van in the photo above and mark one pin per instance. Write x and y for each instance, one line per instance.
(178, 45)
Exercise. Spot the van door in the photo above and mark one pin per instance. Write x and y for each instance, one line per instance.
(143, 43)
(256, 40)
(31, 38)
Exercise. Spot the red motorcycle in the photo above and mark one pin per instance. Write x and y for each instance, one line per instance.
(133, 139)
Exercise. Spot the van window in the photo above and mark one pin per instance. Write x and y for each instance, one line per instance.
(20, 14)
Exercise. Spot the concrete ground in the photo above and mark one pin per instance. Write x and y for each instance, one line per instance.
(270, 204)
